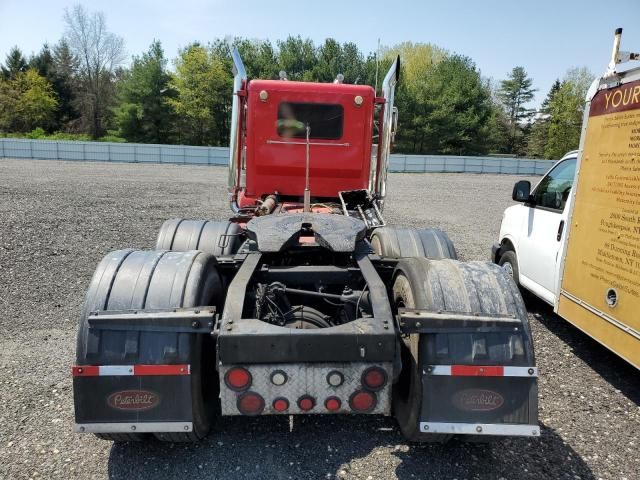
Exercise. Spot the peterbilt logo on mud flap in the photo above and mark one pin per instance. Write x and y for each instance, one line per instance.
(477, 400)
(133, 400)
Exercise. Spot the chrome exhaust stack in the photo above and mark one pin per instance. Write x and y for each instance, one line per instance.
(386, 136)
(239, 79)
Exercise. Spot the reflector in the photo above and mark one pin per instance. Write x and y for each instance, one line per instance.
(332, 404)
(335, 378)
(238, 379)
(281, 404)
(306, 403)
(250, 403)
(362, 401)
(374, 378)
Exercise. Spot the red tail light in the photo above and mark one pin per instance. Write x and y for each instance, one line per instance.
(374, 378)
(332, 404)
(238, 379)
(362, 401)
(250, 403)
(306, 403)
(280, 404)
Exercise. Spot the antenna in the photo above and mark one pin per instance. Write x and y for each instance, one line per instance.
(377, 65)
(307, 192)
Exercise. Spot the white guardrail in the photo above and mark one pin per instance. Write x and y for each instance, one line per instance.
(181, 154)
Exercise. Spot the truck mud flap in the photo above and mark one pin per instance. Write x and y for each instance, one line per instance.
(477, 373)
(136, 374)
(118, 398)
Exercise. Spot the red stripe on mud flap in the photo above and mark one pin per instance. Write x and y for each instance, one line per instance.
(129, 370)
(140, 370)
(476, 371)
(85, 371)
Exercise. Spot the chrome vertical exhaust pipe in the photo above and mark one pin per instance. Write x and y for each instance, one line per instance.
(384, 149)
(239, 78)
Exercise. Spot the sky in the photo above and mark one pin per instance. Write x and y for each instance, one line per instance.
(546, 37)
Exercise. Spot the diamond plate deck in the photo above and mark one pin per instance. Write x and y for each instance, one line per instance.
(306, 379)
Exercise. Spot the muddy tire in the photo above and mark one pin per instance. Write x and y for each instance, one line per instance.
(135, 280)
(448, 286)
(216, 238)
(402, 242)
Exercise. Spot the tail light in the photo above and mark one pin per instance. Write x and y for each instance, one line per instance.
(332, 404)
(306, 403)
(238, 379)
(278, 377)
(280, 404)
(362, 401)
(374, 378)
(250, 403)
(335, 378)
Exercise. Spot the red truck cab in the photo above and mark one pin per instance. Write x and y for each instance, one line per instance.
(274, 135)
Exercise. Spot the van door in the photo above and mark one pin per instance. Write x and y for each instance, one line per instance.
(543, 231)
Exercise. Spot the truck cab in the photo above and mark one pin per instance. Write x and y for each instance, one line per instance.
(531, 234)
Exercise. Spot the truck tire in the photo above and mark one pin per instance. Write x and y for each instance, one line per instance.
(135, 280)
(509, 262)
(445, 285)
(401, 242)
(216, 238)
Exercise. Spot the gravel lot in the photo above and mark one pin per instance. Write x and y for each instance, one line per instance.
(57, 220)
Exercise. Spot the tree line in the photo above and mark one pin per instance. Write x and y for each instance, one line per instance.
(79, 89)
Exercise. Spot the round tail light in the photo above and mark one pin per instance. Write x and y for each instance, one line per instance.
(362, 401)
(374, 378)
(306, 403)
(335, 378)
(278, 377)
(238, 379)
(280, 404)
(250, 403)
(332, 404)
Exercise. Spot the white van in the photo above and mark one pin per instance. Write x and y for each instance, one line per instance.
(574, 240)
(532, 232)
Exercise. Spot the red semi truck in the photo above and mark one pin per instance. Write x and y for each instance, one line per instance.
(304, 301)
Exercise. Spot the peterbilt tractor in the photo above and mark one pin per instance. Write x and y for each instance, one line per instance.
(304, 301)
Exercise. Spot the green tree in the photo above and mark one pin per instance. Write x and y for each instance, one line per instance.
(566, 110)
(14, 63)
(413, 97)
(458, 108)
(27, 101)
(143, 113)
(65, 66)
(329, 62)
(515, 93)
(203, 89)
(539, 135)
(297, 57)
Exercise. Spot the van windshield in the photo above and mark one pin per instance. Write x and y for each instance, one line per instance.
(325, 121)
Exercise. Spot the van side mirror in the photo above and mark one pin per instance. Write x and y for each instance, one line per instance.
(521, 191)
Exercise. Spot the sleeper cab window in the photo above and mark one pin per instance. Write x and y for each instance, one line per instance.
(325, 121)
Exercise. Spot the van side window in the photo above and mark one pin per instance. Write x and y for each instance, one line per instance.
(553, 190)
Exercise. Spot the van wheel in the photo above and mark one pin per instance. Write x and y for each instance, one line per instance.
(509, 263)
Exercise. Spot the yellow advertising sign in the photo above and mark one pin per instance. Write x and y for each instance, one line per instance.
(602, 265)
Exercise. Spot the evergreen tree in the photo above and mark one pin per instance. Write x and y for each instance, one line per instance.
(458, 108)
(143, 114)
(14, 63)
(514, 93)
(539, 136)
(65, 66)
(566, 110)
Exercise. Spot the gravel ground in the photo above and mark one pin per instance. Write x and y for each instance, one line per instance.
(57, 220)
